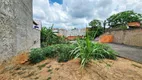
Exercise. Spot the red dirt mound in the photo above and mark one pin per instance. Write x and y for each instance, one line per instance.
(21, 58)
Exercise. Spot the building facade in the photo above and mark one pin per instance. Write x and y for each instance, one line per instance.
(16, 28)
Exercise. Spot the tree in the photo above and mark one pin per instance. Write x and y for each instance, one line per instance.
(95, 23)
(96, 29)
(123, 18)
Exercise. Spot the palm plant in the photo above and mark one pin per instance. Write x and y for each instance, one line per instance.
(48, 37)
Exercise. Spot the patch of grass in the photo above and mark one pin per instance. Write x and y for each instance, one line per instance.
(41, 66)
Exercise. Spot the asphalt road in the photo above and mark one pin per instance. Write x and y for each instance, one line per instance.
(132, 53)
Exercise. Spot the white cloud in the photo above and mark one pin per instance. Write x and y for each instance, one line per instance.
(78, 13)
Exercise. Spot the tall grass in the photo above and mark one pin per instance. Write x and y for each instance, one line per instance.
(87, 50)
(83, 51)
(101, 51)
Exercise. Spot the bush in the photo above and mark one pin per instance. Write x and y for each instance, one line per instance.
(103, 51)
(61, 51)
(86, 50)
(49, 52)
(83, 49)
(36, 55)
(64, 53)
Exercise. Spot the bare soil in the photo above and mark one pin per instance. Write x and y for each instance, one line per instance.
(50, 69)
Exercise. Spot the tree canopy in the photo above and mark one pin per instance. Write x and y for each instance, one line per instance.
(123, 18)
(95, 23)
(96, 29)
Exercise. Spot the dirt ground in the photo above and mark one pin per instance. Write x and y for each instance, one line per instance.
(50, 69)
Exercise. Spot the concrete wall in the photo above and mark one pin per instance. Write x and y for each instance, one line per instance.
(76, 32)
(129, 37)
(16, 28)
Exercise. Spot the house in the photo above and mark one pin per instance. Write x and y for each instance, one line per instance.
(134, 24)
(70, 34)
(75, 33)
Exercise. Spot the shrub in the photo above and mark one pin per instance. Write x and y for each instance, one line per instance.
(103, 51)
(83, 49)
(86, 50)
(36, 55)
(61, 51)
(64, 52)
(49, 52)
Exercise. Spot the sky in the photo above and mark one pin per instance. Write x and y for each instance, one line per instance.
(71, 14)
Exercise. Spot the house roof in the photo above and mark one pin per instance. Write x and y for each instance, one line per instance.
(136, 24)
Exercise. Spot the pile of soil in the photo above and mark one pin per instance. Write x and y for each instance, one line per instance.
(50, 69)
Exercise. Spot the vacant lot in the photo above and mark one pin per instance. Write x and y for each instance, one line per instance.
(50, 69)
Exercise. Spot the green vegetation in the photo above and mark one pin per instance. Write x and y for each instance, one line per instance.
(117, 21)
(48, 37)
(64, 52)
(95, 30)
(95, 23)
(101, 51)
(61, 51)
(83, 49)
(123, 18)
(36, 55)
(86, 50)
(41, 66)
(53, 47)
(119, 27)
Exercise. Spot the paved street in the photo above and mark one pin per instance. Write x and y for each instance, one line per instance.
(131, 53)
